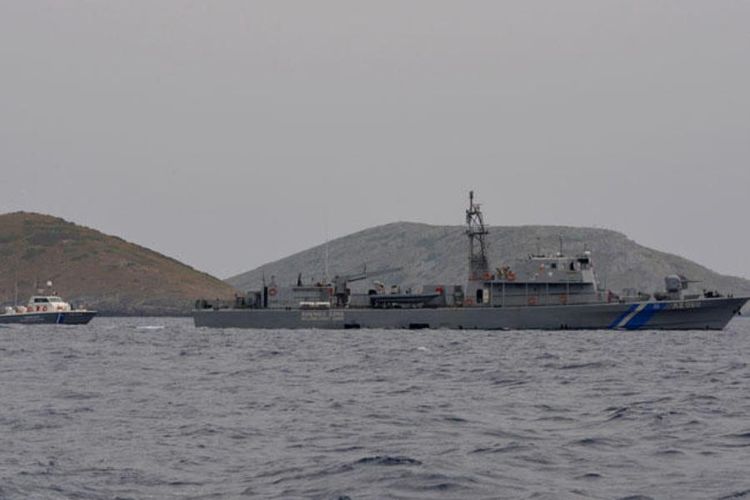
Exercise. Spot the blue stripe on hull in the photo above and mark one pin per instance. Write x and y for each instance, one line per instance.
(622, 317)
(642, 318)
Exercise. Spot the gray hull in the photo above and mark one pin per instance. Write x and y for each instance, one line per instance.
(708, 313)
(49, 318)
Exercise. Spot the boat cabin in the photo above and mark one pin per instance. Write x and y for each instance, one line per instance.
(47, 303)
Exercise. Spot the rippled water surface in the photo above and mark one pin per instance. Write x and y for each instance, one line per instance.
(154, 408)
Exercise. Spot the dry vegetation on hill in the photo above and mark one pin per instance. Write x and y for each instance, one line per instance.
(99, 271)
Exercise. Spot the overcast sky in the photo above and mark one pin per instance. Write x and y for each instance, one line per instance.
(231, 133)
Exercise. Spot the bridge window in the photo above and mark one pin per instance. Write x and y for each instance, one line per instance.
(480, 296)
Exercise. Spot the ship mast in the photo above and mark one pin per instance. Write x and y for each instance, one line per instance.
(476, 231)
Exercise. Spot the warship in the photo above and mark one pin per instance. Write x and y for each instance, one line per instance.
(543, 292)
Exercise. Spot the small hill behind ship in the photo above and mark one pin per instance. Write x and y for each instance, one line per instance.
(96, 270)
(437, 255)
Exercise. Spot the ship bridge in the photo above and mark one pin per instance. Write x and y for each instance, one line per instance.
(542, 280)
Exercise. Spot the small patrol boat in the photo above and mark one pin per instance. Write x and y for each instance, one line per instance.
(46, 309)
(543, 292)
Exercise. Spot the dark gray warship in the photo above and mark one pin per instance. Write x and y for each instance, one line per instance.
(545, 292)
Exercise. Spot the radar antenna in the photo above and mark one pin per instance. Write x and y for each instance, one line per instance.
(476, 231)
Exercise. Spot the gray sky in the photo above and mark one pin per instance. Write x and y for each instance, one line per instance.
(227, 134)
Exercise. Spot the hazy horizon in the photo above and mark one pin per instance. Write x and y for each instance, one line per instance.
(231, 134)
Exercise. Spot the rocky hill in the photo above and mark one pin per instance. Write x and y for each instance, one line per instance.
(437, 254)
(102, 272)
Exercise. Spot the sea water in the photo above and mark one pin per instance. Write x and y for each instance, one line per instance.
(155, 408)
